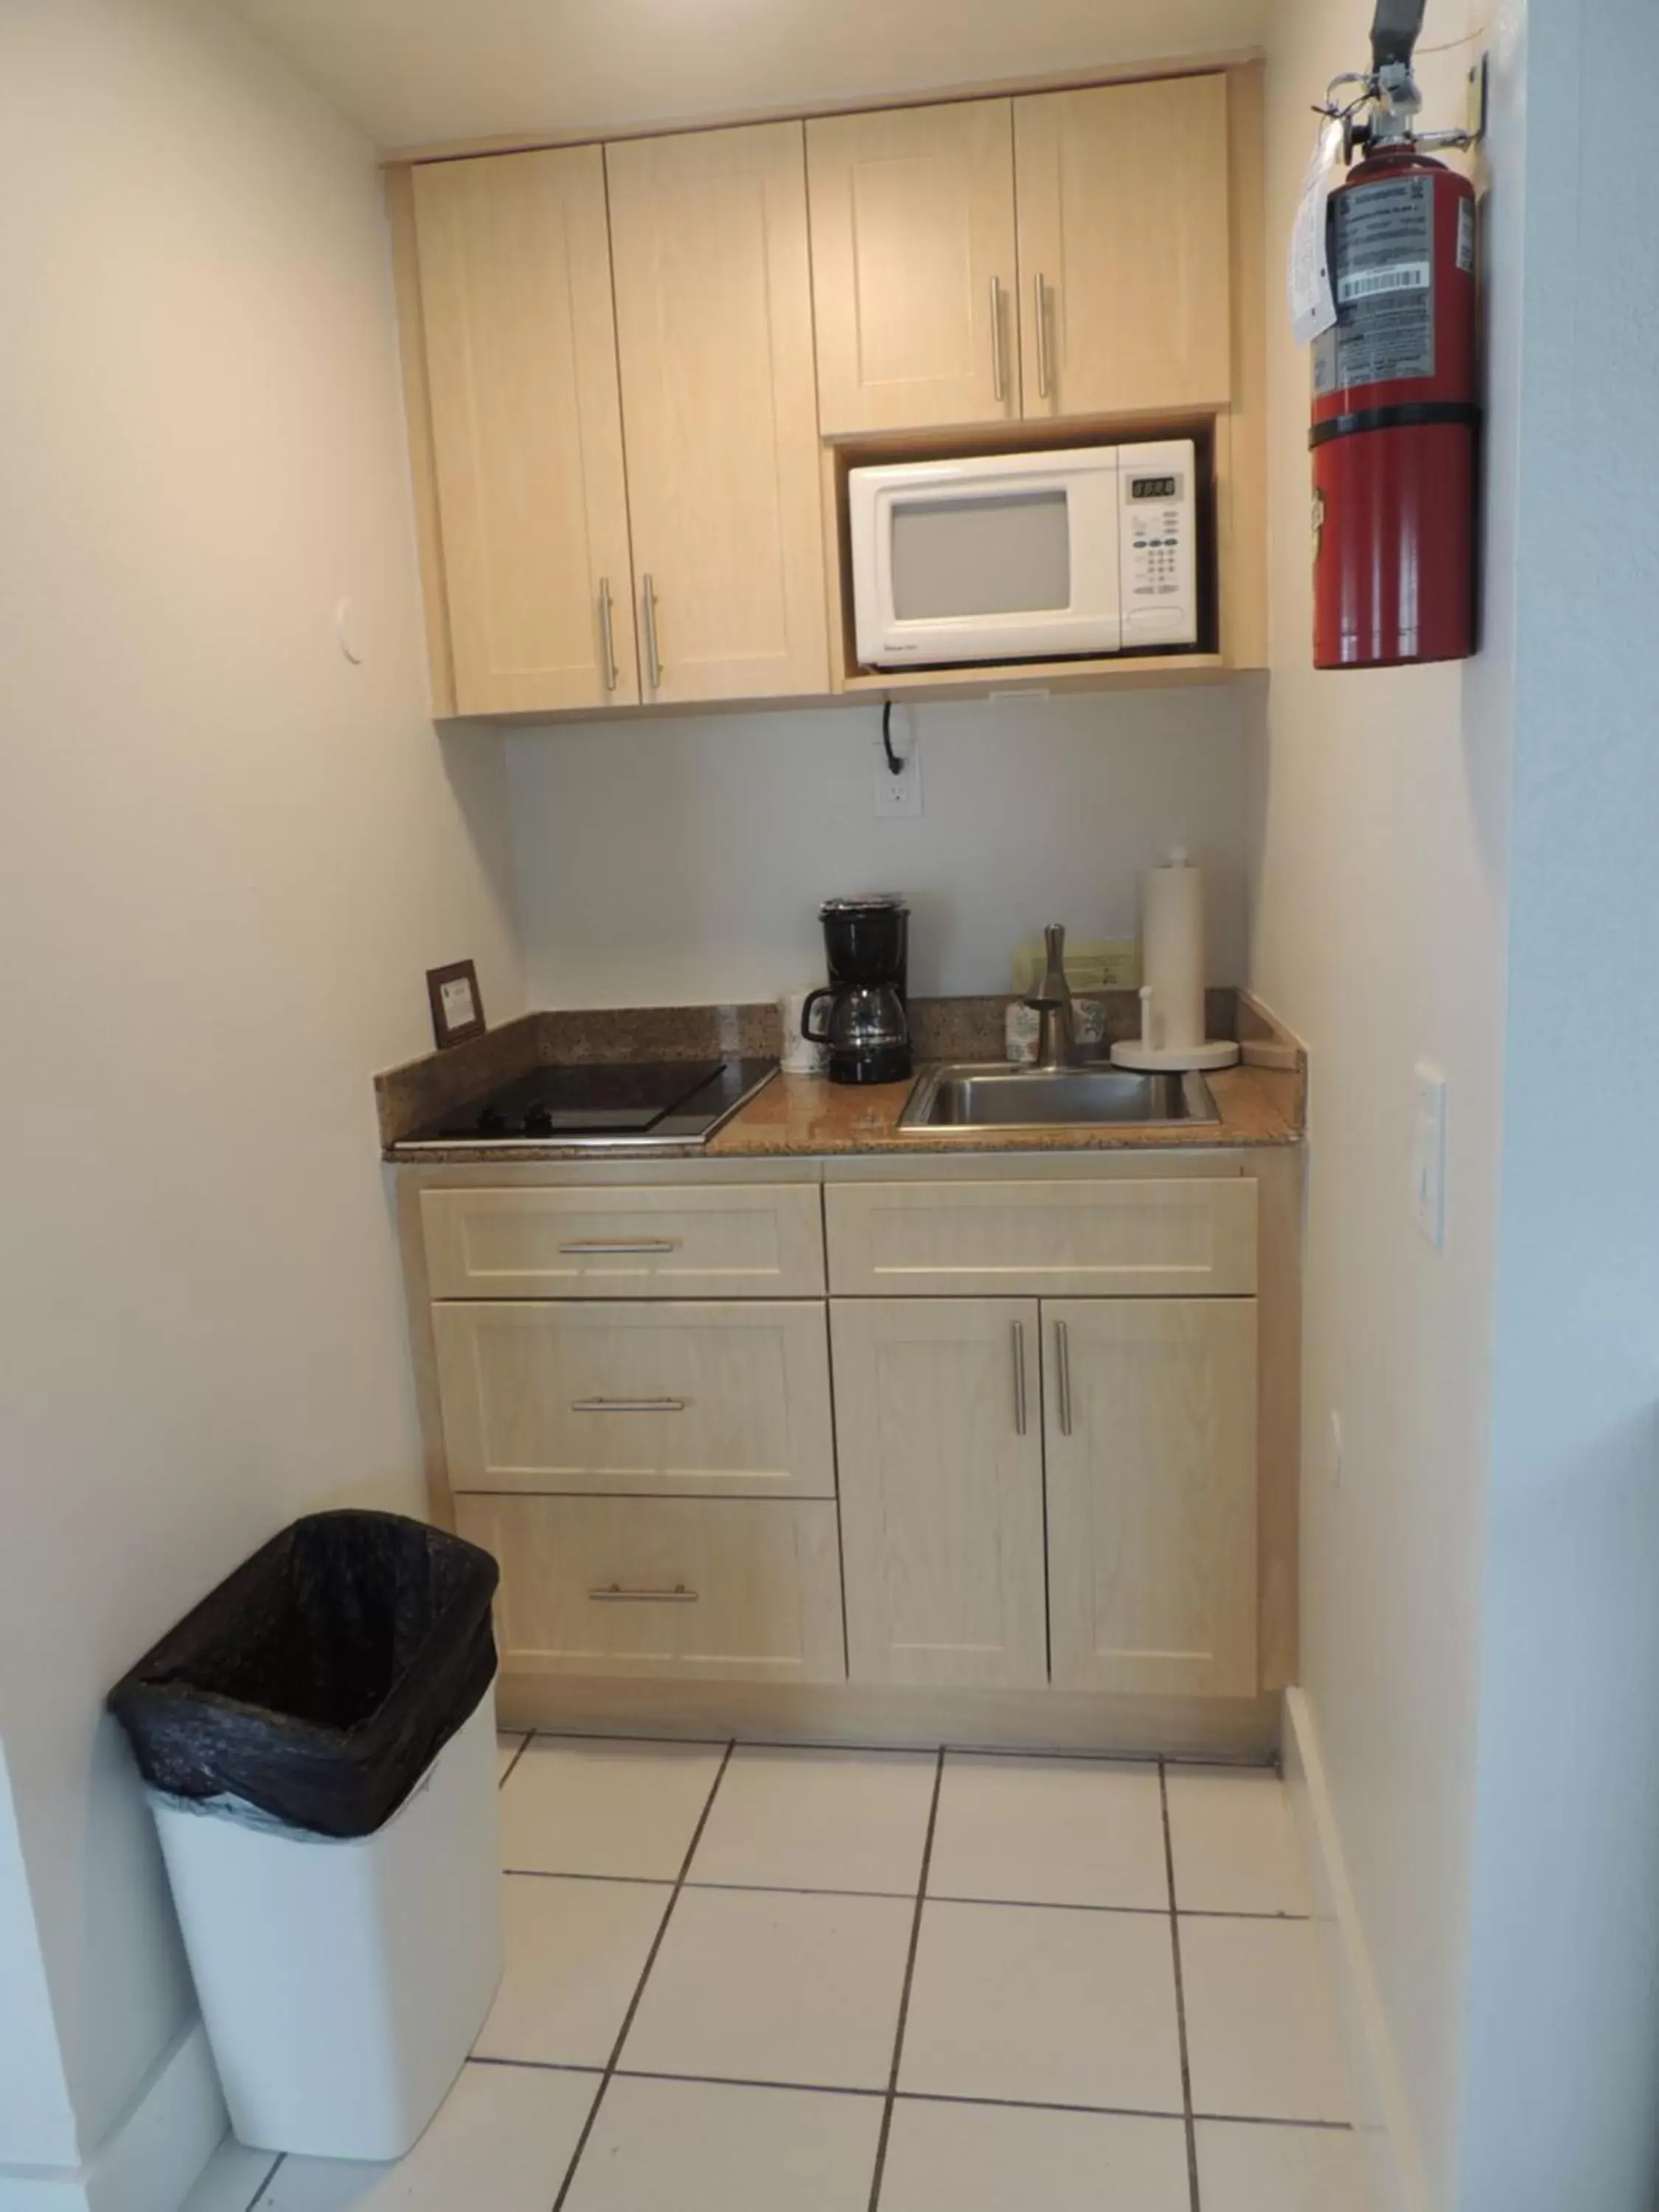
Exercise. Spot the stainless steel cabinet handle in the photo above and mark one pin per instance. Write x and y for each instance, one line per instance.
(1019, 1378)
(614, 1594)
(653, 657)
(1063, 1362)
(584, 1245)
(999, 366)
(605, 634)
(628, 1404)
(1039, 305)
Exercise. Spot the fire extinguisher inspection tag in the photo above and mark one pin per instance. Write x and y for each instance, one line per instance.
(1313, 303)
(1382, 262)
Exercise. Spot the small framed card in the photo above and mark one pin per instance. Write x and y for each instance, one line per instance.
(457, 1010)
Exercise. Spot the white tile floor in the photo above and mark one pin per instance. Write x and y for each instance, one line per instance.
(779, 1980)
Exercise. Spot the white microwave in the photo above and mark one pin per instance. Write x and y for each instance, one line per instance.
(1015, 556)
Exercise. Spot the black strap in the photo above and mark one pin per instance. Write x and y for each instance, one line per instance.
(1395, 29)
(1414, 415)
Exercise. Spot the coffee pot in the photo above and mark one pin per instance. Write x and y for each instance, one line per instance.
(860, 1013)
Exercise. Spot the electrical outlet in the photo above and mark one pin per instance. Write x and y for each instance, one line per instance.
(1429, 1153)
(899, 798)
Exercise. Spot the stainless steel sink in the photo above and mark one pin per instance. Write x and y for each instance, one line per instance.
(997, 1096)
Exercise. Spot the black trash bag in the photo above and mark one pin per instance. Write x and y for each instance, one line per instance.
(320, 1680)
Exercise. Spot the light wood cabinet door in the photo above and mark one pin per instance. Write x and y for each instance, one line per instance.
(526, 430)
(1149, 1419)
(703, 1588)
(719, 405)
(939, 1426)
(1123, 247)
(914, 266)
(704, 1400)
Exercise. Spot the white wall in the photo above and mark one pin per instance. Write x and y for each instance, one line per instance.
(1562, 2104)
(1378, 891)
(414, 72)
(683, 860)
(226, 859)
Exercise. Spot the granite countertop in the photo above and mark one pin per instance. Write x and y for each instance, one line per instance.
(1260, 1102)
(806, 1114)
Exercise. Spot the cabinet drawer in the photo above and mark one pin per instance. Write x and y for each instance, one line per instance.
(1179, 1238)
(707, 1400)
(704, 1589)
(751, 1240)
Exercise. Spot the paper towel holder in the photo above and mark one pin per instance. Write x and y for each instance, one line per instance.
(1173, 966)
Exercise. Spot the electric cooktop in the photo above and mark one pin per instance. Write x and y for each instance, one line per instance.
(670, 1102)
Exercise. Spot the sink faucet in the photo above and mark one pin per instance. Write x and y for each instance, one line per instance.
(1052, 1003)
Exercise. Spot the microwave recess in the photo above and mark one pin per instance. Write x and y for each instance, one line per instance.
(1016, 556)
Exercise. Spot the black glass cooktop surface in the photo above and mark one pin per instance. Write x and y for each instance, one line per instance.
(655, 1101)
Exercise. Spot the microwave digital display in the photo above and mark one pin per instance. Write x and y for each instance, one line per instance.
(1153, 487)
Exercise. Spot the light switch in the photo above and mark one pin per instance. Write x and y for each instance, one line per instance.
(1429, 1153)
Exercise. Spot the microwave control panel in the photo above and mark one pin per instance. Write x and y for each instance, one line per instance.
(1159, 550)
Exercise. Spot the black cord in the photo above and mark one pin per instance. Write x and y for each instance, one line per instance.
(895, 766)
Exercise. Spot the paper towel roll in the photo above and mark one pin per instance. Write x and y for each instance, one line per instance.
(1172, 950)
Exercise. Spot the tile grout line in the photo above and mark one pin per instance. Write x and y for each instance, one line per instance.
(528, 1739)
(1235, 1762)
(914, 2096)
(270, 2177)
(1180, 1993)
(645, 1976)
(938, 1896)
(904, 1993)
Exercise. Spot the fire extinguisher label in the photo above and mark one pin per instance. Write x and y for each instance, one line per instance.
(1382, 260)
(1466, 236)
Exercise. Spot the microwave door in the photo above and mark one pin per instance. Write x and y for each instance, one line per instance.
(993, 566)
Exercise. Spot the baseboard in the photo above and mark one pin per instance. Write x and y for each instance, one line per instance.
(150, 2159)
(1393, 2168)
(849, 1713)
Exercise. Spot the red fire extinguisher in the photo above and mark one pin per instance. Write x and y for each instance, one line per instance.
(1396, 407)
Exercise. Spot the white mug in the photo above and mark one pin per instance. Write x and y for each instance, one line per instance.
(800, 1055)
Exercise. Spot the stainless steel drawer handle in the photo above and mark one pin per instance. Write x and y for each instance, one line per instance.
(1040, 312)
(999, 365)
(1063, 1362)
(607, 635)
(583, 1245)
(1019, 1378)
(628, 1404)
(614, 1594)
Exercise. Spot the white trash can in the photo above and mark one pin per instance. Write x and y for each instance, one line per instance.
(344, 1981)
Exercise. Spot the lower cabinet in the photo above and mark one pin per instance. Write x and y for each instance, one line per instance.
(939, 1444)
(1149, 1427)
(990, 1493)
(707, 1588)
(1141, 1426)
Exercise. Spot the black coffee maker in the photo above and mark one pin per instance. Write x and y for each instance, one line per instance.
(863, 1021)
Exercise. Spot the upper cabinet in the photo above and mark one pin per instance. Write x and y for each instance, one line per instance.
(913, 269)
(520, 356)
(1124, 298)
(638, 374)
(714, 330)
(1065, 253)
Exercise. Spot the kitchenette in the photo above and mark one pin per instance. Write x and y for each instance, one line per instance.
(842, 1396)
(865, 1358)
